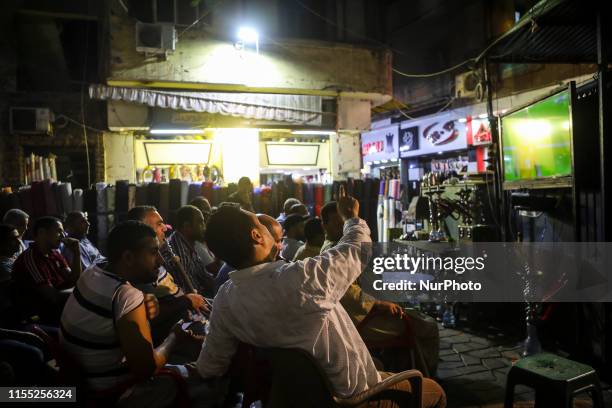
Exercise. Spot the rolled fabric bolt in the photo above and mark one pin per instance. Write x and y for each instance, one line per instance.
(385, 219)
(184, 192)
(77, 200)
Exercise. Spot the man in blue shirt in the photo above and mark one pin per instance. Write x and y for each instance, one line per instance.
(77, 227)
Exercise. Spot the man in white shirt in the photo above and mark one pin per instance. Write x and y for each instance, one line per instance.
(278, 304)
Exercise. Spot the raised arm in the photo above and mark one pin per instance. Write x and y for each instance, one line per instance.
(327, 277)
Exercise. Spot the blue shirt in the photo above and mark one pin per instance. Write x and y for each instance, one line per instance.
(223, 276)
(90, 255)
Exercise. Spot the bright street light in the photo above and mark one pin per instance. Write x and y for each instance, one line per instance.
(248, 35)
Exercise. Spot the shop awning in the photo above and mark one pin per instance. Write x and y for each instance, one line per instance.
(553, 31)
(297, 109)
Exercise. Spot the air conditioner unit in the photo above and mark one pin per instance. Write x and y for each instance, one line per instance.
(26, 120)
(469, 85)
(157, 38)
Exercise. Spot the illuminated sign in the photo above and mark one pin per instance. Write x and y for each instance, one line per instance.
(439, 133)
(380, 144)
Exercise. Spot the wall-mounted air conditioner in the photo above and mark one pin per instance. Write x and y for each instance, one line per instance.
(159, 38)
(25, 120)
(469, 86)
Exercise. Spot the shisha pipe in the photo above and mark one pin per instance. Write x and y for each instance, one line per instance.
(184, 276)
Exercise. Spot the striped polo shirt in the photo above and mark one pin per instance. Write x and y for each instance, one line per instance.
(87, 328)
(33, 268)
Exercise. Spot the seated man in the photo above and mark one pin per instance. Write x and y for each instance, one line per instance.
(244, 194)
(314, 240)
(20, 220)
(297, 305)
(174, 304)
(290, 202)
(104, 324)
(77, 227)
(190, 228)
(386, 320)
(9, 246)
(41, 274)
(299, 209)
(212, 264)
(275, 230)
(294, 235)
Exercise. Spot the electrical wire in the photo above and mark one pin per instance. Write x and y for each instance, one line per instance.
(76, 122)
(474, 60)
(330, 22)
(434, 74)
(205, 14)
(400, 105)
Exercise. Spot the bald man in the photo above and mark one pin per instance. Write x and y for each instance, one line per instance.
(275, 229)
(277, 233)
(77, 227)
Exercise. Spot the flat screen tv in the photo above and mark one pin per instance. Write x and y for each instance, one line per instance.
(536, 142)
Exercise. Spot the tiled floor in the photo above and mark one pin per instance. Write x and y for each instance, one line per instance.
(473, 369)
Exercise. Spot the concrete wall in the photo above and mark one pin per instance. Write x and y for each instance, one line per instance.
(33, 73)
(284, 65)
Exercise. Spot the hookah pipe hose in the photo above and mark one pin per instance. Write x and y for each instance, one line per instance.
(184, 277)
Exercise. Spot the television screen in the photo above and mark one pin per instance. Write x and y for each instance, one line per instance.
(536, 140)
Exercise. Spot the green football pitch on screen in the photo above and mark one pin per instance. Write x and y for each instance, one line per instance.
(537, 140)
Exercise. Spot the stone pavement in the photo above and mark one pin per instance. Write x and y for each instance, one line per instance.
(473, 368)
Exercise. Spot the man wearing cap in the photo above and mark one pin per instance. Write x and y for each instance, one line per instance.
(294, 235)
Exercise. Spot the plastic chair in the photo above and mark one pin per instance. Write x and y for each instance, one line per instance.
(299, 382)
(407, 340)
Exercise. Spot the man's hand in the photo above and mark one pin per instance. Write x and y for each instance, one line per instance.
(389, 308)
(71, 243)
(198, 303)
(348, 207)
(151, 306)
(186, 337)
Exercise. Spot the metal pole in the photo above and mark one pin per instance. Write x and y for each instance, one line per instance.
(605, 151)
(605, 144)
(494, 159)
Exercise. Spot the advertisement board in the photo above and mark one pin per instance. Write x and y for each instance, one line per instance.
(380, 144)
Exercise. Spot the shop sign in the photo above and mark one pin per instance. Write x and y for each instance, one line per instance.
(478, 131)
(436, 134)
(409, 139)
(380, 144)
(454, 164)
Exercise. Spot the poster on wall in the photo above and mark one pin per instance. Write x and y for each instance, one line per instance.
(441, 133)
(408, 139)
(380, 144)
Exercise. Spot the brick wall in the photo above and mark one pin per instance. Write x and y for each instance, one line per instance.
(66, 136)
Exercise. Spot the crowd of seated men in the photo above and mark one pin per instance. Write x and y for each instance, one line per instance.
(158, 318)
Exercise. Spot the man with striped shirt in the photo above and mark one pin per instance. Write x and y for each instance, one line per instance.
(105, 326)
(173, 302)
(41, 274)
(190, 227)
